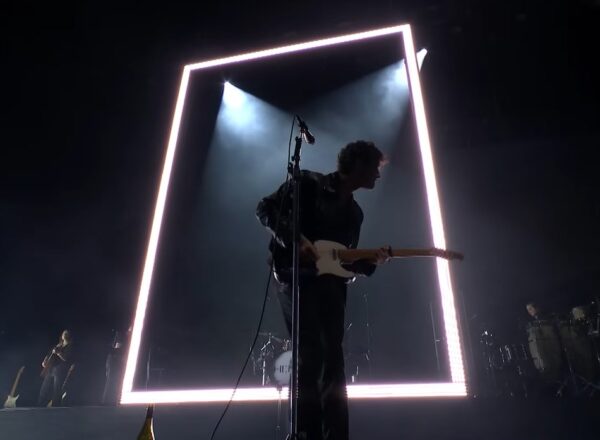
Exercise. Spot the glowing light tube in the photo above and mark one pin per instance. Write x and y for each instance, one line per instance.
(435, 213)
(456, 386)
(268, 394)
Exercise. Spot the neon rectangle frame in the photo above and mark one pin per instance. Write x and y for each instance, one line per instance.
(455, 388)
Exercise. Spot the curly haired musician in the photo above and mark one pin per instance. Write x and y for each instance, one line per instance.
(328, 211)
(54, 370)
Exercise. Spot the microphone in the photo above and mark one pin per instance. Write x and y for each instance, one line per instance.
(306, 134)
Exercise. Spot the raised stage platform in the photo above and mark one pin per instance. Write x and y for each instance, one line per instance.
(452, 419)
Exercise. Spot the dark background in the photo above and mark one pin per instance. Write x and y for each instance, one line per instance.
(88, 91)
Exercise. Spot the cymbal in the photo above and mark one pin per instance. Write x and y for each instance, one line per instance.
(271, 335)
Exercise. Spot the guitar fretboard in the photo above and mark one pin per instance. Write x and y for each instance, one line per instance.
(350, 255)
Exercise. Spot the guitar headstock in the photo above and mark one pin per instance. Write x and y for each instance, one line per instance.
(447, 254)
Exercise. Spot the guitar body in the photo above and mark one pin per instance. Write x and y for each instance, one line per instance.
(326, 264)
(329, 263)
(11, 399)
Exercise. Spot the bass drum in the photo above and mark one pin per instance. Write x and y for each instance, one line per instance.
(283, 368)
(545, 349)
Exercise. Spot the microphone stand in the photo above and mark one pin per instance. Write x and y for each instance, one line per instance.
(294, 170)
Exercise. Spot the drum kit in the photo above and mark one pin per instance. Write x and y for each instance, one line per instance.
(561, 356)
(273, 361)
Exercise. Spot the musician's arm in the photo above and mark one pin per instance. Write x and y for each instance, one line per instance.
(47, 358)
(274, 210)
(63, 353)
(272, 214)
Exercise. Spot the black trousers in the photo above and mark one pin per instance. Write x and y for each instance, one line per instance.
(52, 386)
(323, 402)
(114, 367)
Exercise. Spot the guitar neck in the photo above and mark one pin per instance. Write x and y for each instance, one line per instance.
(16, 382)
(350, 255)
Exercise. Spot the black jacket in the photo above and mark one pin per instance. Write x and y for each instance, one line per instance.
(323, 216)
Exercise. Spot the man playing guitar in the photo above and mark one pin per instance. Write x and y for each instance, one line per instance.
(330, 222)
(55, 367)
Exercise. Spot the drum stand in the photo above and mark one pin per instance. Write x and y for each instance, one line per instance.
(584, 384)
(368, 325)
(594, 334)
(488, 342)
(265, 352)
(266, 358)
(580, 383)
(571, 377)
(365, 352)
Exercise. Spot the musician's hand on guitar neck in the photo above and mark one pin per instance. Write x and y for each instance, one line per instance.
(308, 251)
(384, 255)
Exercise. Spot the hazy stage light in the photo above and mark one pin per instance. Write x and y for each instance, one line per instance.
(400, 76)
(241, 111)
(232, 96)
(370, 107)
(457, 386)
(244, 121)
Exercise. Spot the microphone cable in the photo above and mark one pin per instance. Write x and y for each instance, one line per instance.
(266, 296)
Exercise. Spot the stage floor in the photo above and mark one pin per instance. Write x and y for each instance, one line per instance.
(452, 419)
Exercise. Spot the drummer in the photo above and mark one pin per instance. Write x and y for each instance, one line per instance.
(534, 310)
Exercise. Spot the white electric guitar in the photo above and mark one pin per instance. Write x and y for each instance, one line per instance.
(11, 400)
(332, 255)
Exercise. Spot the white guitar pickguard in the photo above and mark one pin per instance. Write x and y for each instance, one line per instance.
(327, 262)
